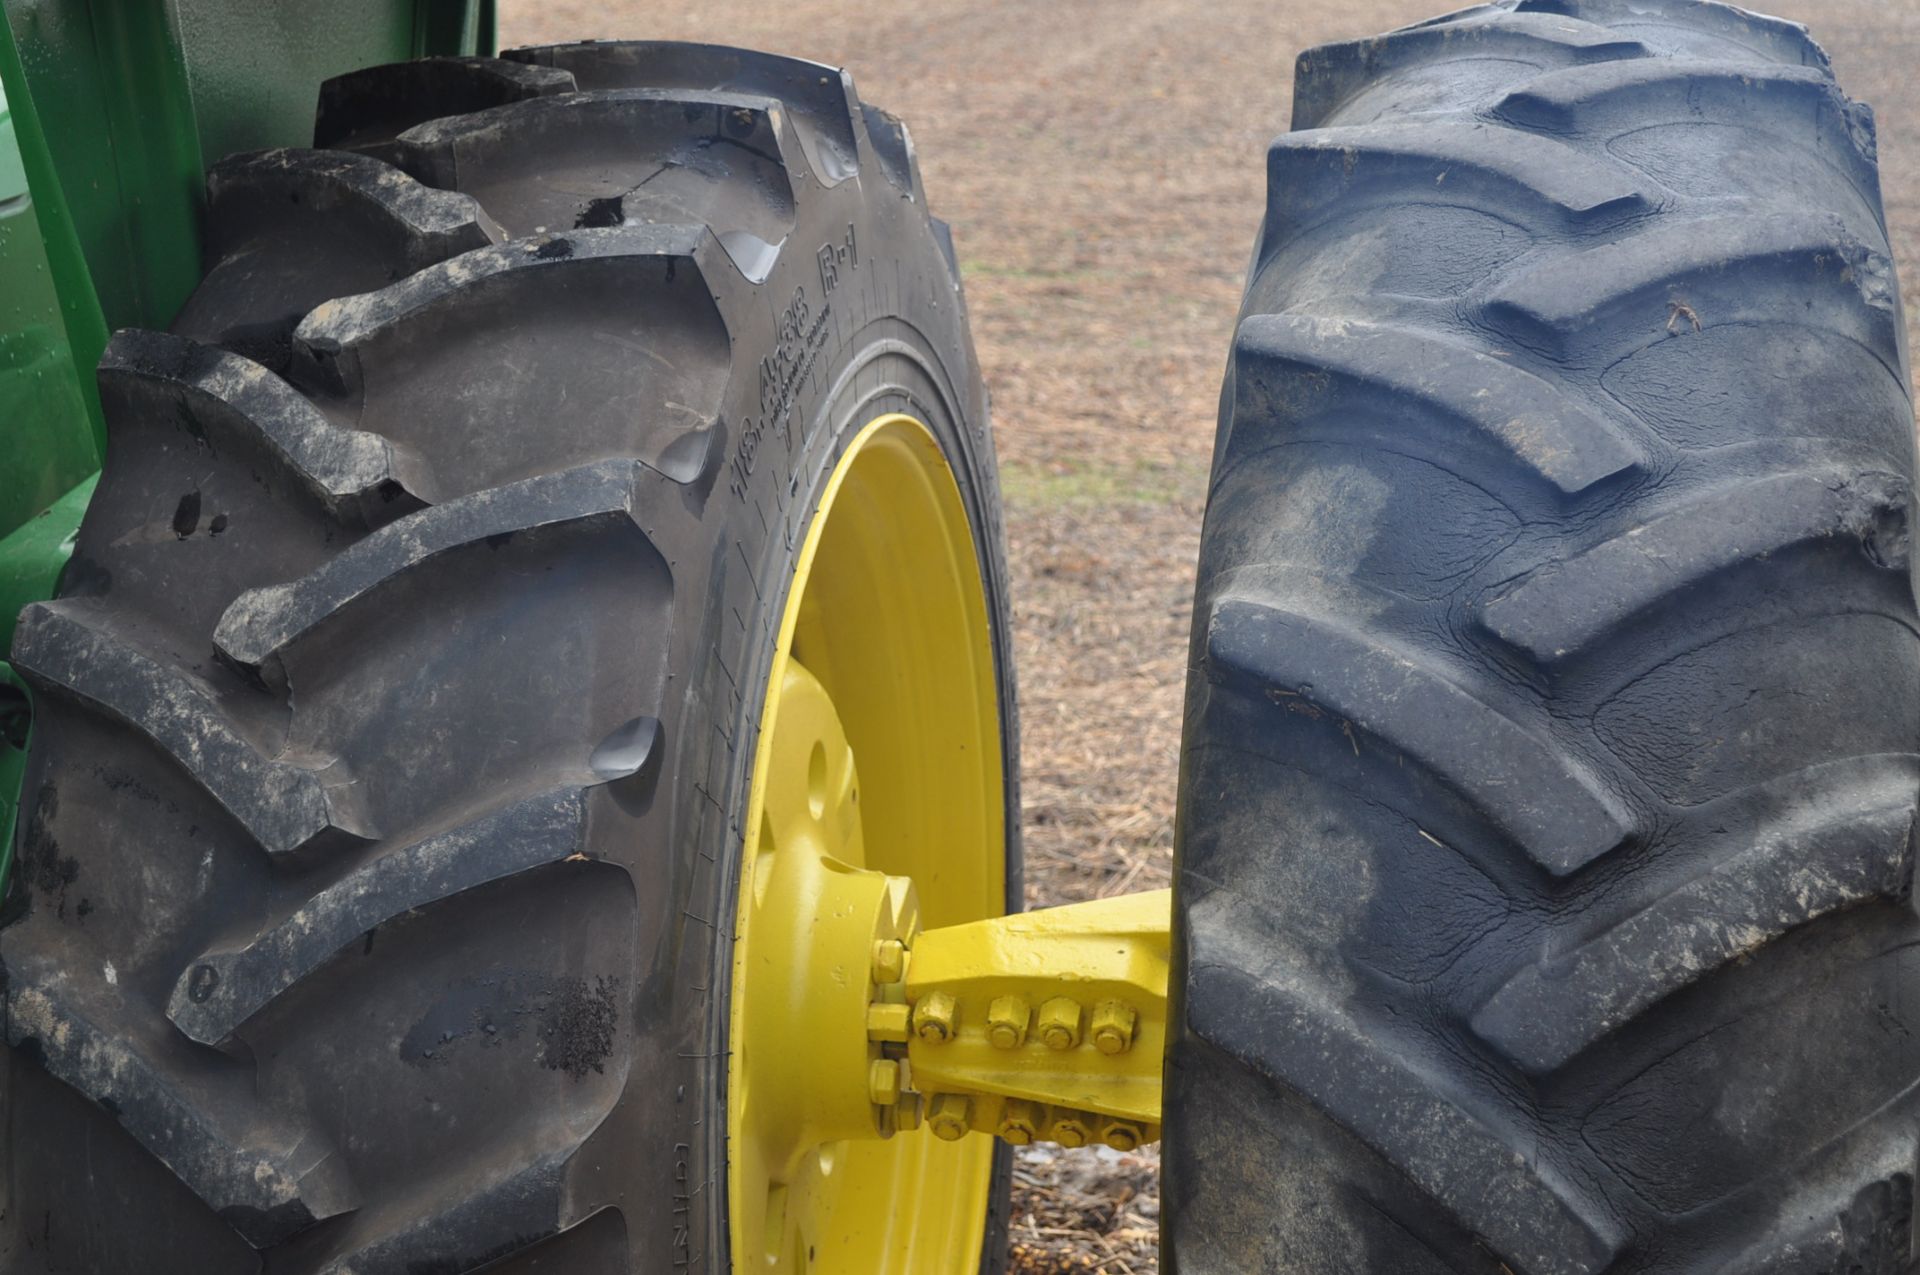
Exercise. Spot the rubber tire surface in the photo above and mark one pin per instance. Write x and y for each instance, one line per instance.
(1546, 837)
(373, 910)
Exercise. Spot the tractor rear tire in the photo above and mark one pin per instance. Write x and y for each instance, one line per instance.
(383, 820)
(1543, 899)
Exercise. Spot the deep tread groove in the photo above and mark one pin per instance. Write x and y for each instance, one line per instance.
(1327, 77)
(1679, 277)
(227, 985)
(330, 333)
(1357, 684)
(1313, 364)
(362, 109)
(680, 154)
(289, 809)
(501, 1213)
(262, 622)
(1851, 843)
(827, 110)
(1570, 605)
(423, 225)
(1504, 170)
(1775, 39)
(1590, 99)
(353, 474)
(1477, 1171)
(267, 1176)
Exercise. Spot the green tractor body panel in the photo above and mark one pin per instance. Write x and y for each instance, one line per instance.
(110, 111)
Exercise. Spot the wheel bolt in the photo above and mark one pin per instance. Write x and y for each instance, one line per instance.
(1070, 1131)
(883, 1081)
(1121, 1136)
(887, 1022)
(1112, 1027)
(889, 960)
(1020, 1122)
(1007, 1021)
(947, 1116)
(933, 1018)
(1060, 1023)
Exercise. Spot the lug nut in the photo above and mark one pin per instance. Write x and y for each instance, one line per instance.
(947, 1116)
(1020, 1122)
(883, 1081)
(1060, 1023)
(1070, 1131)
(888, 1023)
(933, 1018)
(1121, 1136)
(1007, 1021)
(889, 960)
(1112, 1027)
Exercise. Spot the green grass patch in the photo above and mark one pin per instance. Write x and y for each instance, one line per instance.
(1098, 484)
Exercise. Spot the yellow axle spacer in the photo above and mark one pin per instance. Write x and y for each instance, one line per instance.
(1046, 1025)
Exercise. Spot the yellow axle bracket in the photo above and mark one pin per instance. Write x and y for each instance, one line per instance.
(1043, 1026)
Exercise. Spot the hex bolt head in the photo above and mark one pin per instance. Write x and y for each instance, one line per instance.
(889, 1023)
(1070, 1131)
(1007, 1021)
(947, 1116)
(1020, 1122)
(933, 1018)
(1121, 1135)
(1113, 1024)
(883, 1081)
(889, 960)
(1060, 1023)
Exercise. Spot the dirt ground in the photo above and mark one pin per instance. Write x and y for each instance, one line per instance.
(1100, 163)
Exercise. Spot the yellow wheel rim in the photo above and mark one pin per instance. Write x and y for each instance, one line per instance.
(878, 763)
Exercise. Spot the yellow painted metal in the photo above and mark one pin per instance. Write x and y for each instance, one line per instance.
(1051, 1025)
(878, 763)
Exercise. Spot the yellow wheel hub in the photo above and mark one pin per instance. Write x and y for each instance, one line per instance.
(877, 807)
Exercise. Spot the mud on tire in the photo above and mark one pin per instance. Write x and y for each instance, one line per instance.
(372, 913)
(1547, 821)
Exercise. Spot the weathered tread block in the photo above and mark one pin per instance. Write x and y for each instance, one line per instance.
(228, 985)
(410, 225)
(330, 334)
(364, 108)
(350, 472)
(1303, 363)
(543, 329)
(1541, 798)
(826, 110)
(1276, 1023)
(1326, 77)
(1470, 163)
(1676, 25)
(1568, 606)
(614, 157)
(262, 622)
(1801, 104)
(502, 1210)
(1842, 847)
(893, 146)
(268, 1178)
(1681, 276)
(288, 809)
